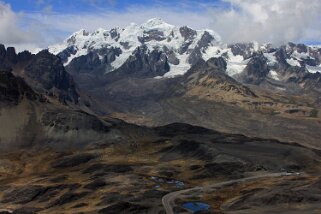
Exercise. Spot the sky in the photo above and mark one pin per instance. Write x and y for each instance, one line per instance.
(36, 24)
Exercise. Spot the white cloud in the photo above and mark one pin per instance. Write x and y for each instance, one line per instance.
(275, 21)
(11, 31)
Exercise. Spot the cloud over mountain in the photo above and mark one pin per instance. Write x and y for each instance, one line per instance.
(274, 21)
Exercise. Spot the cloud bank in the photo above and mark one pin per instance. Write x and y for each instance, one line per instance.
(276, 21)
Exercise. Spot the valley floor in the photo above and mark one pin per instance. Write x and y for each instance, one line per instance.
(134, 176)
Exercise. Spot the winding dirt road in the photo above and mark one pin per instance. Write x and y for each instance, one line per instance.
(168, 200)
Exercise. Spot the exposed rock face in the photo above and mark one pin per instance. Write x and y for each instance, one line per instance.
(4, 65)
(89, 70)
(152, 35)
(114, 34)
(143, 64)
(8, 58)
(11, 55)
(24, 56)
(312, 82)
(187, 33)
(95, 63)
(109, 54)
(65, 54)
(47, 73)
(244, 49)
(14, 89)
(291, 64)
(2, 52)
(203, 44)
(73, 121)
(172, 58)
(211, 75)
(300, 48)
(256, 71)
(281, 57)
(43, 72)
(218, 63)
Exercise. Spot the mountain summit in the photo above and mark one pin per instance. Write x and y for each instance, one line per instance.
(182, 45)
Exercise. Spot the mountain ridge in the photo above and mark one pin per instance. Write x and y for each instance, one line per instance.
(106, 51)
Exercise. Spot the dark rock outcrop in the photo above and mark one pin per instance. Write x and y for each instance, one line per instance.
(95, 63)
(172, 58)
(14, 89)
(3, 52)
(152, 35)
(73, 121)
(8, 56)
(281, 57)
(24, 56)
(256, 70)
(142, 64)
(11, 55)
(67, 53)
(187, 33)
(47, 74)
(114, 34)
(244, 49)
(212, 75)
(203, 44)
(217, 63)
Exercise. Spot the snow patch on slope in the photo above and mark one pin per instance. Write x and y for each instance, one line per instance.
(179, 69)
(274, 75)
(271, 59)
(213, 51)
(293, 62)
(235, 64)
(313, 69)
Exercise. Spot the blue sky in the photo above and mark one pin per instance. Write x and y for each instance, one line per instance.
(34, 24)
(72, 6)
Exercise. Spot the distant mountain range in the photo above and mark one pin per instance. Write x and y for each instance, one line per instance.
(163, 50)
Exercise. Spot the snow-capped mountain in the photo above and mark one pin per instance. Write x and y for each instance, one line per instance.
(163, 50)
(182, 45)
